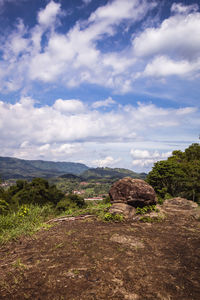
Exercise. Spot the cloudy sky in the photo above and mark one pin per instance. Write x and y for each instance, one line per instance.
(104, 82)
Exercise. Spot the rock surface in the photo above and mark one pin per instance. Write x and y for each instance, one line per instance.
(126, 210)
(135, 192)
(181, 203)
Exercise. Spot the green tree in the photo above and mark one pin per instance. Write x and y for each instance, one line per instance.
(179, 175)
(36, 192)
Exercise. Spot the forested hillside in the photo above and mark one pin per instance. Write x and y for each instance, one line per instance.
(109, 173)
(19, 168)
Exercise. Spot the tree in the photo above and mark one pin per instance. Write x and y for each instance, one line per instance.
(179, 175)
(36, 192)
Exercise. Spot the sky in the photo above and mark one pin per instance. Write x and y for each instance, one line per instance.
(102, 82)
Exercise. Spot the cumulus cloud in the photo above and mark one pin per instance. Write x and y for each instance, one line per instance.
(104, 103)
(183, 9)
(108, 161)
(69, 106)
(72, 57)
(170, 38)
(163, 66)
(145, 158)
(47, 16)
(63, 129)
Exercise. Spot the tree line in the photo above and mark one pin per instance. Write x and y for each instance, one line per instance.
(179, 175)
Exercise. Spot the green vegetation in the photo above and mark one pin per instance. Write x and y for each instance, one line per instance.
(26, 205)
(108, 217)
(146, 209)
(36, 192)
(70, 202)
(147, 219)
(179, 175)
(26, 221)
(28, 169)
(109, 174)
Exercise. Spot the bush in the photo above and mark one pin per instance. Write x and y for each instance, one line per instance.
(106, 200)
(146, 209)
(108, 217)
(36, 192)
(66, 204)
(79, 201)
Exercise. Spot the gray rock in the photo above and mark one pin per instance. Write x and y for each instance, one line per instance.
(126, 210)
(135, 192)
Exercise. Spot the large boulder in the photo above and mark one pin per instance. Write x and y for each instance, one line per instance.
(134, 192)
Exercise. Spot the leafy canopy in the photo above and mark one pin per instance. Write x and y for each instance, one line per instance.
(179, 175)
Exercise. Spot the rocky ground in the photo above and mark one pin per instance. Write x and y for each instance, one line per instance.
(89, 259)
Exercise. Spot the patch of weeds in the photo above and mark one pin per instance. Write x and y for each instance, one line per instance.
(76, 272)
(26, 221)
(146, 209)
(148, 219)
(108, 217)
(19, 265)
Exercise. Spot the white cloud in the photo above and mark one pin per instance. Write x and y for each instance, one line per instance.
(108, 161)
(69, 106)
(104, 103)
(183, 9)
(73, 57)
(62, 129)
(164, 66)
(47, 16)
(177, 36)
(145, 158)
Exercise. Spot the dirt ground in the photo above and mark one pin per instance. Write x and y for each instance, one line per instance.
(89, 259)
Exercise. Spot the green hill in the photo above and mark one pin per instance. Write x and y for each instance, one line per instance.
(109, 173)
(19, 168)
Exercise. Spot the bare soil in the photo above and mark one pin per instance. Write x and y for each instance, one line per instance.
(89, 259)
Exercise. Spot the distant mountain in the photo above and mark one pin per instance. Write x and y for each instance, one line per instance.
(19, 168)
(71, 177)
(109, 173)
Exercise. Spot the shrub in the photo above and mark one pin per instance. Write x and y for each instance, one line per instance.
(66, 204)
(75, 199)
(108, 217)
(106, 200)
(146, 209)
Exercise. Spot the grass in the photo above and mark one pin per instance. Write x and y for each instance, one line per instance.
(26, 221)
(146, 209)
(31, 218)
(98, 209)
(148, 219)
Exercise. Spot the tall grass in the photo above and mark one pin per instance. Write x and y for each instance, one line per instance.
(26, 221)
(30, 218)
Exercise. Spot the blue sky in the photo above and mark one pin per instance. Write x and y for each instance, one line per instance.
(106, 83)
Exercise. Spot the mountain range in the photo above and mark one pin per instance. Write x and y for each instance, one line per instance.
(19, 168)
(15, 168)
